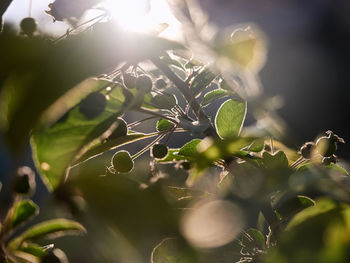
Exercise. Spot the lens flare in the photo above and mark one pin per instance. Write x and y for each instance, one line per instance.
(144, 16)
(212, 224)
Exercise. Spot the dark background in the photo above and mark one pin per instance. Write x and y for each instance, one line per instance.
(308, 61)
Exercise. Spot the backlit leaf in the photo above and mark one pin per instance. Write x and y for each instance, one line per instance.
(230, 117)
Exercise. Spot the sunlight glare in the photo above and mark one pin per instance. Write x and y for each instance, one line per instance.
(134, 16)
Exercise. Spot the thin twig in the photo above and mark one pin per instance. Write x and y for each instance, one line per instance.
(187, 93)
(131, 125)
(149, 146)
(143, 110)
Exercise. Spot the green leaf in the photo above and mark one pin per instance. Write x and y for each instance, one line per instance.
(230, 117)
(173, 156)
(189, 149)
(49, 229)
(164, 125)
(289, 206)
(202, 80)
(338, 168)
(33, 249)
(172, 250)
(257, 236)
(257, 145)
(164, 101)
(213, 95)
(55, 147)
(246, 47)
(170, 61)
(322, 206)
(23, 211)
(275, 161)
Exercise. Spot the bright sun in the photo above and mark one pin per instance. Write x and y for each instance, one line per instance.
(143, 16)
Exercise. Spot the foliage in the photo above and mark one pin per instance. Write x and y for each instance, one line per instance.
(229, 193)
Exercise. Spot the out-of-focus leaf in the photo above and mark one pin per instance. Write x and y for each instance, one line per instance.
(33, 249)
(246, 47)
(73, 97)
(338, 169)
(323, 206)
(289, 206)
(61, 10)
(170, 61)
(164, 124)
(55, 147)
(35, 73)
(319, 233)
(257, 145)
(121, 202)
(20, 256)
(209, 151)
(173, 155)
(48, 229)
(213, 95)
(173, 250)
(275, 161)
(189, 149)
(181, 192)
(202, 80)
(23, 211)
(257, 236)
(230, 117)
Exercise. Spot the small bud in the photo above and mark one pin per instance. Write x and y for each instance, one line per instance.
(306, 150)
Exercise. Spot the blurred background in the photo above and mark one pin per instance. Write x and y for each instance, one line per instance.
(308, 56)
(308, 61)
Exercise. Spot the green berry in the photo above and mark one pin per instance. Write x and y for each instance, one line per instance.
(93, 105)
(161, 83)
(129, 81)
(24, 182)
(306, 150)
(144, 83)
(186, 165)
(326, 146)
(121, 130)
(28, 26)
(122, 162)
(159, 151)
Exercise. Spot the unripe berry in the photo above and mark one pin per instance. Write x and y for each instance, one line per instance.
(122, 162)
(24, 182)
(93, 105)
(129, 81)
(144, 83)
(306, 150)
(160, 83)
(326, 146)
(159, 151)
(28, 26)
(121, 130)
(186, 165)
